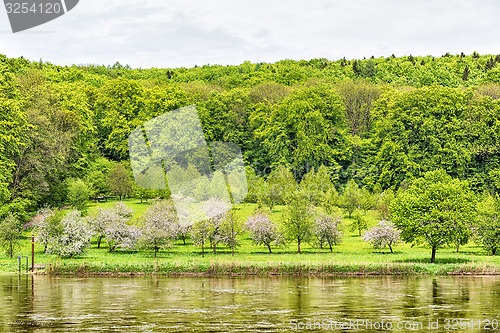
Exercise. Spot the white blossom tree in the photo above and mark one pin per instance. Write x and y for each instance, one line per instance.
(100, 218)
(159, 226)
(182, 232)
(216, 210)
(73, 238)
(48, 226)
(211, 227)
(120, 234)
(382, 235)
(327, 230)
(123, 210)
(263, 231)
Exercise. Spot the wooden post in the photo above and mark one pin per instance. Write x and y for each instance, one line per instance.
(32, 253)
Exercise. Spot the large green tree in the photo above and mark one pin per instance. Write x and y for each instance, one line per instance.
(435, 211)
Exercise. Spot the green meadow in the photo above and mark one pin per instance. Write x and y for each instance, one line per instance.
(351, 256)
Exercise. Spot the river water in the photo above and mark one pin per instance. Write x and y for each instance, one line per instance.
(249, 304)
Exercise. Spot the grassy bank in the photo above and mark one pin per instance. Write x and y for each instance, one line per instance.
(352, 256)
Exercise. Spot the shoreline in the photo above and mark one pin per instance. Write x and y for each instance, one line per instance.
(258, 269)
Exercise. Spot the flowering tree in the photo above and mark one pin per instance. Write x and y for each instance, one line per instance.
(100, 218)
(263, 231)
(216, 210)
(48, 226)
(159, 226)
(73, 238)
(382, 235)
(211, 227)
(183, 232)
(120, 234)
(327, 230)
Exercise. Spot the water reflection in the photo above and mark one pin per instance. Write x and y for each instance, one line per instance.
(240, 304)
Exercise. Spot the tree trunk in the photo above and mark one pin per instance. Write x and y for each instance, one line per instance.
(298, 244)
(494, 251)
(458, 247)
(390, 247)
(269, 247)
(215, 248)
(184, 239)
(331, 249)
(156, 251)
(99, 241)
(433, 257)
(359, 231)
(202, 250)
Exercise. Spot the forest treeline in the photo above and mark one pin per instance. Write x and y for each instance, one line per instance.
(379, 121)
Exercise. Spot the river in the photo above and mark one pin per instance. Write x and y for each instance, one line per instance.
(249, 304)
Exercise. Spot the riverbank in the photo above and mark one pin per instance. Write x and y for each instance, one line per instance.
(100, 262)
(229, 268)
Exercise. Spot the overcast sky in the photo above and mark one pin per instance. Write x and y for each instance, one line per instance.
(184, 33)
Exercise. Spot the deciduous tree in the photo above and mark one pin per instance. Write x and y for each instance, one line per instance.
(435, 210)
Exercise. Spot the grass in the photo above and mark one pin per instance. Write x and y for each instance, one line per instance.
(352, 256)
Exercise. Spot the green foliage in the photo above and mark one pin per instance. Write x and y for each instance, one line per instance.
(119, 180)
(78, 194)
(299, 218)
(359, 222)
(435, 210)
(351, 197)
(10, 234)
(487, 227)
(278, 187)
(378, 121)
(317, 185)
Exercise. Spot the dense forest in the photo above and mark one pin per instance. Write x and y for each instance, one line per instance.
(381, 122)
